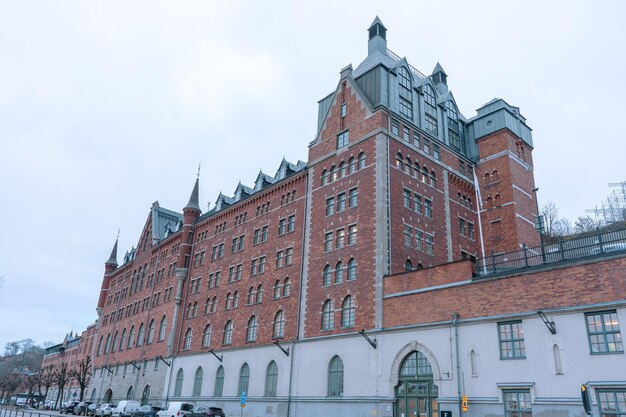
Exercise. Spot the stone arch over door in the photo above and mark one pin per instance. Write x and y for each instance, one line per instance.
(405, 351)
(108, 395)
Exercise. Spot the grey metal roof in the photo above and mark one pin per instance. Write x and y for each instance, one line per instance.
(372, 61)
(438, 68)
(113, 258)
(164, 222)
(193, 198)
(377, 20)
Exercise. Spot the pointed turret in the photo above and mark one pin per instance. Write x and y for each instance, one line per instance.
(113, 258)
(377, 37)
(439, 76)
(193, 199)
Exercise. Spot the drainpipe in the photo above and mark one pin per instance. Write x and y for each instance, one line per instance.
(455, 323)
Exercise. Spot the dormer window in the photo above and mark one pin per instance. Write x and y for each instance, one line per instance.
(405, 91)
(429, 97)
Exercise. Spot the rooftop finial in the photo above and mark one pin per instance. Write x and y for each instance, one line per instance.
(199, 165)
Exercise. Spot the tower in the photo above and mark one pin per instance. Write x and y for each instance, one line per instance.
(109, 267)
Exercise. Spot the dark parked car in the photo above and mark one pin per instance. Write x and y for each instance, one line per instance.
(81, 408)
(146, 411)
(68, 407)
(210, 412)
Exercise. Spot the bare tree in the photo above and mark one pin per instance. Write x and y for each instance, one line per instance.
(62, 377)
(585, 224)
(8, 385)
(82, 375)
(45, 381)
(550, 214)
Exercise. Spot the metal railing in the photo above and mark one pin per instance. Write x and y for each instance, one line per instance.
(24, 412)
(564, 250)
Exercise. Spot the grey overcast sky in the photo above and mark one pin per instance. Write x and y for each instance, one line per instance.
(107, 106)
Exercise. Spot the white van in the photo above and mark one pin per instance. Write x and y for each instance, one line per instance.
(176, 409)
(125, 408)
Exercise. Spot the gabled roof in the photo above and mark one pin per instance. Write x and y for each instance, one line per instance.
(164, 222)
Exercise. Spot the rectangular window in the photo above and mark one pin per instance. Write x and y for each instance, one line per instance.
(406, 233)
(213, 257)
(517, 403)
(257, 236)
(341, 238)
(511, 335)
(330, 206)
(395, 127)
(428, 208)
(612, 403)
(470, 230)
(261, 264)
(353, 199)
(341, 202)
(436, 152)
(253, 267)
(342, 139)
(430, 244)
(328, 242)
(462, 166)
(406, 108)
(455, 140)
(407, 198)
(242, 242)
(264, 230)
(291, 223)
(417, 201)
(281, 227)
(239, 269)
(352, 234)
(220, 251)
(280, 255)
(419, 240)
(231, 274)
(427, 146)
(233, 247)
(343, 109)
(431, 123)
(462, 227)
(604, 332)
(288, 256)
(406, 133)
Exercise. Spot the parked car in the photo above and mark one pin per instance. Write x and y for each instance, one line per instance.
(204, 411)
(81, 408)
(104, 410)
(147, 411)
(91, 410)
(176, 409)
(125, 408)
(68, 407)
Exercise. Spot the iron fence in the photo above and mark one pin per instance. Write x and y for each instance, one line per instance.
(588, 246)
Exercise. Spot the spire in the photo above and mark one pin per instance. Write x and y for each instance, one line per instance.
(193, 199)
(113, 258)
(377, 37)
(439, 76)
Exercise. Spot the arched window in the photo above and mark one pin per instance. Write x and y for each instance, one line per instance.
(408, 265)
(236, 299)
(496, 176)
(162, 328)
(207, 306)
(399, 161)
(129, 393)
(107, 345)
(251, 331)
(405, 92)
(558, 366)
(474, 363)
(326, 276)
(150, 332)
(498, 200)
(218, 391)
(324, 177)
(145, 395)
(214, 305)
(228, 333)
(187, 342)
(195, 309)
(351, 269)
(140, 335)
(347, 312)
(227, 305)
(424, 175)
(333, 173)
(122, 340)
(279, 324)
(115, 340)
(277, 289)
(271, 379)
(361, 160)
(338, 272)
(259, 294)
(342, 169)
(335, 377)
(416, 170)
(197, 382)
(328, 319)
(407, 165)
(99, 351)
(178, 387)
(206, 336)
(244, 379)
(487, 178)
(286, 288)
(352, 165)
(415, 371)
(251, 296)
(131, 337)
(189, 310)
(489, 203)
(433, 179)
(429, 97)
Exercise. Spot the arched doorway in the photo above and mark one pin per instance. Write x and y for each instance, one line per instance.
(108, 396)
(145, 395)
(416, 394)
